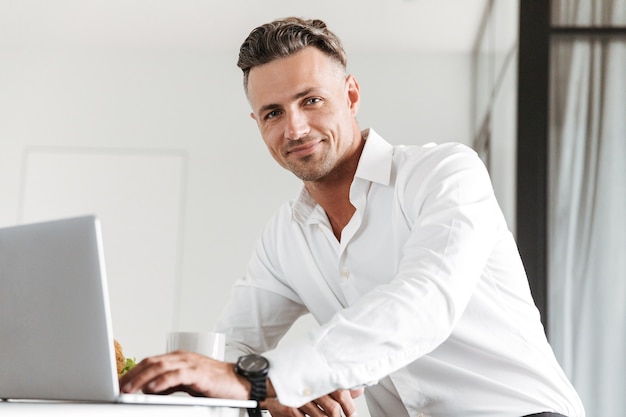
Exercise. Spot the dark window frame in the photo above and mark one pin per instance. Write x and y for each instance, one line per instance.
(532, 145)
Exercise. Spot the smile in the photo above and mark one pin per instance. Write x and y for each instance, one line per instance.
(303, 150)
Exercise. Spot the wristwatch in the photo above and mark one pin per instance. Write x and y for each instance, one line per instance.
(254, 368)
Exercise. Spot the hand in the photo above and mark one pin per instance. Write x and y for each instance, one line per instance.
(336, 404)
(185, 371)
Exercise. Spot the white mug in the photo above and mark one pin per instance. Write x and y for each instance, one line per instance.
(205, 343)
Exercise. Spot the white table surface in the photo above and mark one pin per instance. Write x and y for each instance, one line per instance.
(47, 408)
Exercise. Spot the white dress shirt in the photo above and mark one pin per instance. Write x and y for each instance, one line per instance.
(424, 299)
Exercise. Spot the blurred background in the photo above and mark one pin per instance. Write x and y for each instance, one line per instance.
(134, 111)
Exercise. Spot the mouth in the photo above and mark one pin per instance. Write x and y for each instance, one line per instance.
(304, 149)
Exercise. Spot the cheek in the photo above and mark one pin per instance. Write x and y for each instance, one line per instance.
(270, 131)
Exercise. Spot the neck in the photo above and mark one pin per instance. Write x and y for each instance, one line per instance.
(332, 193)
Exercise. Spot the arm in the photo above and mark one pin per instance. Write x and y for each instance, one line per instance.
(202, 376)
(262, 308)
(274, 309)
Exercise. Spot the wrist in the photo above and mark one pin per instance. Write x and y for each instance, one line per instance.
(271, 392)
(244, 387)
(254, 368)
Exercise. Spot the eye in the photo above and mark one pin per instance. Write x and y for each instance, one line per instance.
(272, 114)
(313, 100)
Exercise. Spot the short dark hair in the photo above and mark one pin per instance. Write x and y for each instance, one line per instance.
(284, 37)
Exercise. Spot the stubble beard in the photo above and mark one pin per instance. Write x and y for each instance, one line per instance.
(308, 169)
(318, 167)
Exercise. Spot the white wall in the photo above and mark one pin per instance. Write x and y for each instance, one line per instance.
(183, 116)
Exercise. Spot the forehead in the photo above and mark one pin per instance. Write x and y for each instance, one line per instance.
(307, 69)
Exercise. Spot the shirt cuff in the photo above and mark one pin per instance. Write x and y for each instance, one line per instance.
(299, 374)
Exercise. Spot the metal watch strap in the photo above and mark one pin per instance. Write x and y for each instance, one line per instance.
(258, 392)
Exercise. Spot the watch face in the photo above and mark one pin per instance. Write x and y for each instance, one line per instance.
(253, 363)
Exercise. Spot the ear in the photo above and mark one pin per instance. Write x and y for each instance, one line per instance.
(353, 94)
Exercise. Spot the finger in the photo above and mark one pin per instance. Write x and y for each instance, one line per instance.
(323, 406)
(165, 382)
(345, 401)
(147, 370)
(180, 371)
(356, 392)
(134, 378)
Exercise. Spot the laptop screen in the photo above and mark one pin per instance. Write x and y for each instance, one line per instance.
(55, 332)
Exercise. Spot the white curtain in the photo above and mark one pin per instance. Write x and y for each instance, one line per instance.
(587, 213)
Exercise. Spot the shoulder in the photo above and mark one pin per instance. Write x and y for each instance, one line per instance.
(434, 161)
(450, 173)
(431, 152)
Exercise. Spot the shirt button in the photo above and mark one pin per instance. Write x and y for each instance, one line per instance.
(345, 274)
(307, 391)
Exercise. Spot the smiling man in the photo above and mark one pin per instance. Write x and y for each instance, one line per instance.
(401, 253)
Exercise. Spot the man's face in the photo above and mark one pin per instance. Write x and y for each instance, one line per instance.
(305, 108)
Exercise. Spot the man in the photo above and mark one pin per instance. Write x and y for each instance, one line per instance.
(401, 253)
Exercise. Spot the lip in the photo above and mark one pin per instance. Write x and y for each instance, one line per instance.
(303, 150)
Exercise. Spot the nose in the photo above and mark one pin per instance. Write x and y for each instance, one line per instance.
(297, 125)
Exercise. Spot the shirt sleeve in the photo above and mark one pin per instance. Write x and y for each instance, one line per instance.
(446, 197)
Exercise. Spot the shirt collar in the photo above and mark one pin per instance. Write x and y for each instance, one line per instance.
(376, 159)
(374, 166)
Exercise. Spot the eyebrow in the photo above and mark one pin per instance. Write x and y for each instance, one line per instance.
(273, 106)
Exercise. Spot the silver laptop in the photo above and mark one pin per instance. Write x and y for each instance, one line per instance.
(56, 338)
